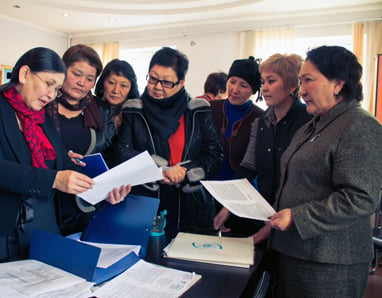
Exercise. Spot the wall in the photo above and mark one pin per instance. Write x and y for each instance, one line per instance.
(19, 37)
(207, 52)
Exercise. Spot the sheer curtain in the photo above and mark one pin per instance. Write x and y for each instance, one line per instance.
(262, 44)
(367, 43)
(107, 52)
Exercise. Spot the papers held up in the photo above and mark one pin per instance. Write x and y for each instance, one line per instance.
(135, 171)
(240, 197)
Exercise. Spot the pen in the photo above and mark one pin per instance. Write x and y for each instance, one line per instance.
(220, 233)
(80, 161)
(183, 162)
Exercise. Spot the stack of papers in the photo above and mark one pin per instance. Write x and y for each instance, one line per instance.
(230, 251)
(148, 280)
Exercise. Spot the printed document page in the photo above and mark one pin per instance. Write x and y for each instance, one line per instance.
(240, 197)
(135, 171)
(230, 251)
(31, 278)
(148, 280)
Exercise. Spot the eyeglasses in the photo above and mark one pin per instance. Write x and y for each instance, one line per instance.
(49, 86)
(165, 84)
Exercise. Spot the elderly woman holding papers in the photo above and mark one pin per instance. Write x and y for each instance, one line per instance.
(331, 175)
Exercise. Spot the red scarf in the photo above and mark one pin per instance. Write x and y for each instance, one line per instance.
(41, 148)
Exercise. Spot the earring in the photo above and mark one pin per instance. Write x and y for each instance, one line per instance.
(291, 94)
(336, 95)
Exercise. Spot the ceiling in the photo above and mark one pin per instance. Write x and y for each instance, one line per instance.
(91, 17)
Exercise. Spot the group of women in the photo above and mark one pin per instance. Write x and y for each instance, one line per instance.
(318, 164)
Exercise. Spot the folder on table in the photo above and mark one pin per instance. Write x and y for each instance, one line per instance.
(229, 251)
(128, 222)
(75, 257)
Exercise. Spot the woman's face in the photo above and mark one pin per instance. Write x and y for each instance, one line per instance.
(37, 89)
(273, 89)
(116, 88)
(239, 91)
(80, 79)
(317, 91)
(165, 74)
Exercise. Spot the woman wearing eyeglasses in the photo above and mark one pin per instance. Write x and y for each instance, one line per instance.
(81, 125)
(32, 157)
(173, 128)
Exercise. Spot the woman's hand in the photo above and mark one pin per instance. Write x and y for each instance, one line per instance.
(76, 158)
(174, 175)
(72, 182)
(262, 235)
(282, 220)
(220, 219)
(118, 195)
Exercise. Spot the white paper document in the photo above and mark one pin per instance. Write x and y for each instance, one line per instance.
(112, 253)
(144, 279)
(31, 278)
(240, 197)
(135, 171)
(229, 251)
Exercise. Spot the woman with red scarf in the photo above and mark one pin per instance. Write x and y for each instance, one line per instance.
(32, 156)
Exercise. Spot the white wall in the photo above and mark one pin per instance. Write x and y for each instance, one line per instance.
(207, 52)
(18, 37)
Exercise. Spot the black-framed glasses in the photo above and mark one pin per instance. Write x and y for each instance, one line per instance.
(164, 83)
(50, 87)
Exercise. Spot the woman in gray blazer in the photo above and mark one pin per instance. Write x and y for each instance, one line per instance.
(331, 175)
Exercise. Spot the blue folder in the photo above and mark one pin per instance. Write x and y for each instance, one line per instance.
(95, 165)
(75, 257)
(128, 222)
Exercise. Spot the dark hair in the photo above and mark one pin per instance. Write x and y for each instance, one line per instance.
(216, 82)
(169, 57)
(336, 62)
(38, 60)
(81, 52)
(120, 68)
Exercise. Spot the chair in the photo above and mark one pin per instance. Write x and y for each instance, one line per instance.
(377, 237)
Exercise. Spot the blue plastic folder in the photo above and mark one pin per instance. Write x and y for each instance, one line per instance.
(95, 165)
(128, 222)
(75, 257)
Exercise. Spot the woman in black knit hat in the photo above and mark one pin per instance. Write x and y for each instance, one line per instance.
(233, 116)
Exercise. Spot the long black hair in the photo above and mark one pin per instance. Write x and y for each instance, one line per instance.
(38, 60)
(120, 68)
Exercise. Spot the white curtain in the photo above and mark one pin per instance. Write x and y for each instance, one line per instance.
(262, 44)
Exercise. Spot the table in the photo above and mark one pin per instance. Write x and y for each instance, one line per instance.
(218, 280)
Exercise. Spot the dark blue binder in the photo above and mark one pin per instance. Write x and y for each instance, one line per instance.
(128, 222)
(75, 257)
(95, 165)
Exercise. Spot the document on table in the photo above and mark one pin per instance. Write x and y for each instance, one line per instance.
(31, 278)
(135, 171)
(144, 279)
(240, 197)
(230, 251)
(112, 253)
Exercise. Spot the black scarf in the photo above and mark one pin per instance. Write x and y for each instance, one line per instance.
(163, 114)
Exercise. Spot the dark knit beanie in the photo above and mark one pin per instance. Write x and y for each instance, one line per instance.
(247, 69)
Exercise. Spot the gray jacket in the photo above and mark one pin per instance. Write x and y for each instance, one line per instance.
(331, 175)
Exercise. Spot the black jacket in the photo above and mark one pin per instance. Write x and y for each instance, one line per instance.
(188, 207)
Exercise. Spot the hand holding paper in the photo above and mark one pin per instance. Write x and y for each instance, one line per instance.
(135, 171)
(240, 197)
